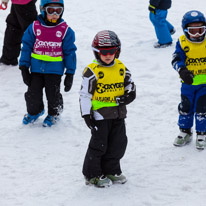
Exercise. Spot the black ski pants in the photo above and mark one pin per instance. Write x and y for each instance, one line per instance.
(19, 18)
(34, 94)
(107, 146)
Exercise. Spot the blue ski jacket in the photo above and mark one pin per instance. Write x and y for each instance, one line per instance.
(48, 67)
(179, 57)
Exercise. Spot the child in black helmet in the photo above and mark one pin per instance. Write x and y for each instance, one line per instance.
(106, 89)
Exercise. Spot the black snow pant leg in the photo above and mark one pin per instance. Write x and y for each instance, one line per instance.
(20, 17)
(54, 97)
(117, 143)
(34, 95)
(107, 146)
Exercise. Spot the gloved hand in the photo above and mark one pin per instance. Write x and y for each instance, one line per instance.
(26, 75)
(186, 75)
(68, 82)
(90, 122)
(126, 99)
(152, 9)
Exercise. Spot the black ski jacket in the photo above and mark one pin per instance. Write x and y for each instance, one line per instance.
(161, 4)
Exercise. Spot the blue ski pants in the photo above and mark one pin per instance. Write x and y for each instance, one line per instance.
(193, 104)
(162, 26)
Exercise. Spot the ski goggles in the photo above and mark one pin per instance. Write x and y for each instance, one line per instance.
(194, 31)
(54, 10)
(106, 51)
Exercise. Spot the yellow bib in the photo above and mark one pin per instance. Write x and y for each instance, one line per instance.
(110, 84)
(195, 59)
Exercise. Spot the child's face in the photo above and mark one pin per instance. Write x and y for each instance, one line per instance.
(52, 17)
(107, 55)
(195, 32)
(108, 58)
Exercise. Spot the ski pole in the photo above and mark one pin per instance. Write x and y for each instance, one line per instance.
(3, 6)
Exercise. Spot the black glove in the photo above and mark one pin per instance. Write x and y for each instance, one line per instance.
(90, 122)
(152, 9)
(68, 82)
(25, 75)
(186, 75)
(126, 99)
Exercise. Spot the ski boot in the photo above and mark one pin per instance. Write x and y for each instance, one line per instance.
(98, 181)
(158, 45)
(50, 120)
(183, 138)
(201, 140)
(121, 179)
(172, 31)
(28, 118)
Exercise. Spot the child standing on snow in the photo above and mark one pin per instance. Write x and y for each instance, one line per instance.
(163, 28)
(189, 61)
(22, 14)
(106, 89)
(48, 48)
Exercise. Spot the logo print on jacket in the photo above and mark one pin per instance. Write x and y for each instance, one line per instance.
(101, 75)
(58, 34)
(101, 88)
(38, 32)
(121, 72)
(47, 44)
(186, 49)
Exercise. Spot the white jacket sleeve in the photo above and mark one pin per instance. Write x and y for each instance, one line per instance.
(129, 83)
(86, 92)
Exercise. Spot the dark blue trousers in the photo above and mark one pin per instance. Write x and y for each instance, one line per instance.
(193, 104)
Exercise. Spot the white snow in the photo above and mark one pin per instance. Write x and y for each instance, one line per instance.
(42, 166)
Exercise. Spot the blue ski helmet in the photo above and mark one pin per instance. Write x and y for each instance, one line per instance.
(45, 2)
(193, 17)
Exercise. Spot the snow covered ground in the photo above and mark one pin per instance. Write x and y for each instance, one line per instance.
(42, 166)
